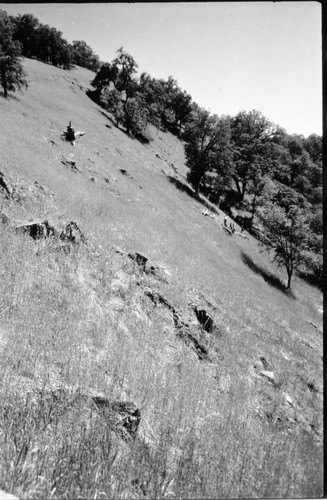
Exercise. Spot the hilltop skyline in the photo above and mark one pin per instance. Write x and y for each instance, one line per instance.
(228, 56)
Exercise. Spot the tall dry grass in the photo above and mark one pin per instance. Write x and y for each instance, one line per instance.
(79, 321)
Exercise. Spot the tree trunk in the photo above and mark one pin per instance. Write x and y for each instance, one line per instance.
(253, 209)
(238, 188)
(289, 274)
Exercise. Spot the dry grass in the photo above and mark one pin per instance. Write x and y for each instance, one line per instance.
(80, 320)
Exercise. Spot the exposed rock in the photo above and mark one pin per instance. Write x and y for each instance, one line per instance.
(146, 266)
(72, 233)
(38, 229)
(190, 339)
(124, 172)
(139, 259)
(4, 184)
(123, 417)
(157, 298)
(69, 163)
(186, 331)
(4, 218)
(268, 375)
(124, 414)
(205, 320)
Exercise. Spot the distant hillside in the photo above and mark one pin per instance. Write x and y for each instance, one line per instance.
(232, 409)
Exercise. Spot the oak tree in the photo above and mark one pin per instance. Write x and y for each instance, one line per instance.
(12, 74)
(287, 228)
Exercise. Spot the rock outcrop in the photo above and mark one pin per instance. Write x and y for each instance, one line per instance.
(188, 331)
(37, 229)
(147, 267)
(72, 234)
(123, 417)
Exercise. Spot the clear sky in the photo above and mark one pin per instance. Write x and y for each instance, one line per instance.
(229, 56)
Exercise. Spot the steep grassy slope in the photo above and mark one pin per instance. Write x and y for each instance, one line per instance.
(264, 432)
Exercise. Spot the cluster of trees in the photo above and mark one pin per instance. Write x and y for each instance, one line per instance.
(243, 160)
(271, 174)
(135, 102)
(47, 44)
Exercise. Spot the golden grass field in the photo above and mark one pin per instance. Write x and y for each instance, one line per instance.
(211, 428)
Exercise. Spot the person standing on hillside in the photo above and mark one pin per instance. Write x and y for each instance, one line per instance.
(70, 134)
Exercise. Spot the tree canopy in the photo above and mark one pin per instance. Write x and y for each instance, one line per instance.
(12, 75)
(207, 141)
(287, 227)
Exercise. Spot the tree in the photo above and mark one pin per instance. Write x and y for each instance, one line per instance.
(287, 226)
(107, 74)
(153, 95)
(84, 56)
(127, 68)
(178, 103)
(135, 116)
(257, 190)
(206, 145)
(250, 134)
(111, 100)
(313, 144)
(12, 75)
(25, 30)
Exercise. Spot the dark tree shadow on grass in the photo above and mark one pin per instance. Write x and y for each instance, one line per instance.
(186, 189)
(270, 278)
(10, 96)
(313, 280)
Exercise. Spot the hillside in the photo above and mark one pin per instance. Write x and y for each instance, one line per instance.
(236, 408)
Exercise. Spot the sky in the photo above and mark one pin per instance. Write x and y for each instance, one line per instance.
(229, 56)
